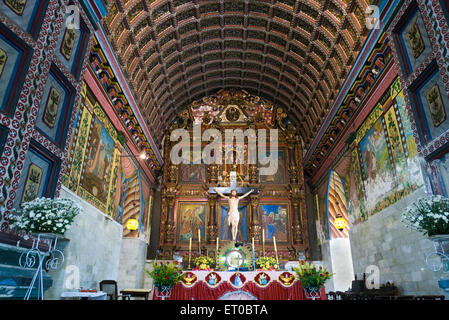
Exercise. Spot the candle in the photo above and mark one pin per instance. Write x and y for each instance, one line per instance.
(217, 244)
(190, 251)
(253, 244)
(263, 241)
(275, 249)
(199, 241)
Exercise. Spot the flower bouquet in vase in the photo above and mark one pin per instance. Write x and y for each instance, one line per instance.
(165, 276)
(430, 216)
(45, 218)
(312, 279)
(203, 263)
(267, 264)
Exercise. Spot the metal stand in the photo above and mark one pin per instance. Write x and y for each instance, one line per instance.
(28, 259)
(164, 293)
(441, 246)
(312, 293)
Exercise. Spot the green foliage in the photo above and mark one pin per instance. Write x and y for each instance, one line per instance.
(311, 276)
(166, 274)
(429, 215)
(45, 215)
(203, 263)
(267, 263)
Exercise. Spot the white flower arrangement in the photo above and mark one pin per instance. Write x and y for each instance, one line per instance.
(45, 215)
(429, 215)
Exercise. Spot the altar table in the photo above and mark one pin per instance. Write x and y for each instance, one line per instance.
(230, 285)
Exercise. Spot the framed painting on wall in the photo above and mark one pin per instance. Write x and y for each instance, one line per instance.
(191, 217)
(280, 176)
(15, 57)
(411, 39)
(27, 14)
(56, 107)
(275, 221)
(430, 103)
(72, 44)
(39, 175)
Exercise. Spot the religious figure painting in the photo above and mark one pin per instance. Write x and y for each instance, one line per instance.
(279, 176)
(192, 217)
(416, 41)
(98, 161)
(192, 173)
(275, 222)
(436, 106)
(376, 165)
(3, 59)
(17, 6)
(51, 107)
(32, 183)
(225, 228)
(68, 43)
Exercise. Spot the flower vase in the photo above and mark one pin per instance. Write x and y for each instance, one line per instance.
(312, 292)
(163, 292)
(441, 250)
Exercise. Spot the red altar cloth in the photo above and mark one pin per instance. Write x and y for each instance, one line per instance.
(274, 291)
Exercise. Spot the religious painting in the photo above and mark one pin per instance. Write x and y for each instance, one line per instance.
(443, 168)
(396, 146)
(32, 183)
(3, 59)
(436, 106)
(68, 43)
(376, 166)
(275, 222)
(356, 206)
(225, 228)
(280, 176)
(17, 6)
(98, 162)
(51, 107)
(416, 40)
(192, 173)
(191, 218)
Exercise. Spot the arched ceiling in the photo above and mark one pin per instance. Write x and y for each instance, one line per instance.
(294, 53)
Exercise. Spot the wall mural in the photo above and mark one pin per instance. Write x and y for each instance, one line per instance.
(384, 165)
(95, 158)
(98, 162)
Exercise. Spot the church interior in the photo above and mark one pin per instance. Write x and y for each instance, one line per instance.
(140, 136)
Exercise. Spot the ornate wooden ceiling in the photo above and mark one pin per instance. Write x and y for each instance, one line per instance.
(294, 53)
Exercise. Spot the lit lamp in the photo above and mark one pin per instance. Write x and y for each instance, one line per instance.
(340, 223)
(132, 224)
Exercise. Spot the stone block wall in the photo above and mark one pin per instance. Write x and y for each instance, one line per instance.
(399, 252)
(132, 263)
(93, 250)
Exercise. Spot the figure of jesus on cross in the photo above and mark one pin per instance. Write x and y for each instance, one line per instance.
(234, 215)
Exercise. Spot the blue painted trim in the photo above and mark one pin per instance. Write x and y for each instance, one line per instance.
(374, 35)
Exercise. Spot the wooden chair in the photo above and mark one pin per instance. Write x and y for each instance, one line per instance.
(110, 287)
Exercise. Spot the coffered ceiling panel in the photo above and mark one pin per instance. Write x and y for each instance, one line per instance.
(293, 53)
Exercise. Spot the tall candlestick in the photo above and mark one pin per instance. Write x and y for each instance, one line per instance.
(199, 241)
(263, 241)
(254, 256)
(275, 249)
(253, 243)
(190, 250)
(217, 244)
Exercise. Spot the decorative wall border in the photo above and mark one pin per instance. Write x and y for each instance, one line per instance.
(429, 9)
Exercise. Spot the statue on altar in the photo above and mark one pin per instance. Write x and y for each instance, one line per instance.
(234, 215)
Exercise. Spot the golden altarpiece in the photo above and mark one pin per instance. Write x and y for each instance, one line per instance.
(277, 209)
